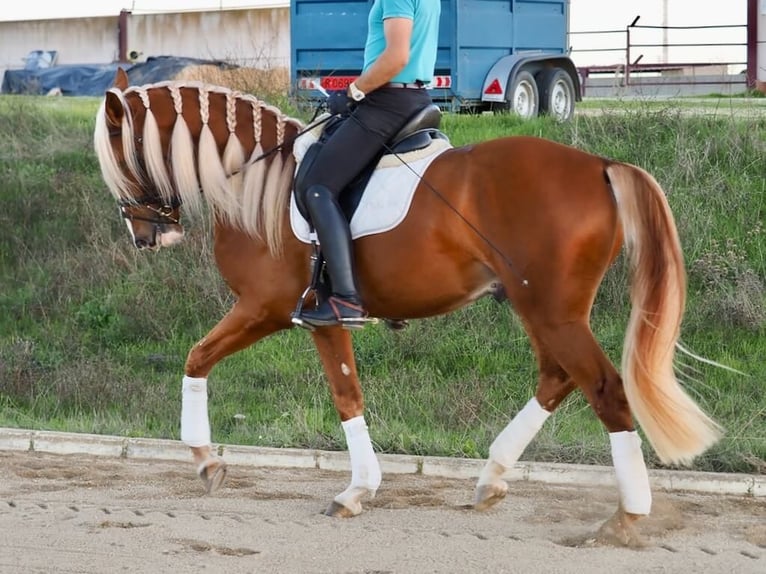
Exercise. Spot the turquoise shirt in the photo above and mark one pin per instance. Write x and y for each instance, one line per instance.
(423, 44)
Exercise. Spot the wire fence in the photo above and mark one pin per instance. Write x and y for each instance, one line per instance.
(714, 54)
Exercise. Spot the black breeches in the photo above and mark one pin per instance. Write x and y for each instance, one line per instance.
(373, 123)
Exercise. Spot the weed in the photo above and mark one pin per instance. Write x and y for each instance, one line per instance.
(732, 291)
(94, 334)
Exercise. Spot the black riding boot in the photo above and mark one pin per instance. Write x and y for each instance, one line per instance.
(343, 306)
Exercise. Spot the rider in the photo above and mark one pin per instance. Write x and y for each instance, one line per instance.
(399, 60)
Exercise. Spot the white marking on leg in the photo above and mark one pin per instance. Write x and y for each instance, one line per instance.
(344, 368)
(511, 442)
(365, 469)
(195, 425)
(630, 468)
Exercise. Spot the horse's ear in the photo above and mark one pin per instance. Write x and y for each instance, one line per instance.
(121, 80)
(113, 109)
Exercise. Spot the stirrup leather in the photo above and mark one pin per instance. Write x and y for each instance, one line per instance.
(337, 304)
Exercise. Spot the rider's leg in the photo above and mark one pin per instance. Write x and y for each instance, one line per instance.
(337, 162)
(344, 306)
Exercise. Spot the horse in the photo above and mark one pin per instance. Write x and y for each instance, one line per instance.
(524, 219)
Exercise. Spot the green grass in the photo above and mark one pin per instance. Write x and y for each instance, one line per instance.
(94, 334)
(753, 101)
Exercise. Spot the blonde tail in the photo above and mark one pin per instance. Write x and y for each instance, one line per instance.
(674, 424)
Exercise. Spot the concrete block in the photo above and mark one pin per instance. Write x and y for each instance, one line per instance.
(158, 449)
(400, 464)
(69, 443)
(580, 474)
(15, 439)
(263, 456)
(334, 460)
(713, 483)
(452, 467)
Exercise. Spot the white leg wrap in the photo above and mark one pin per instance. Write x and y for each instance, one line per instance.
(632, 476)
(365, 469)
(509, 444)
(195, 426)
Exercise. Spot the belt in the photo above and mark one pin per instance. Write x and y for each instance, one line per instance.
(417, 85)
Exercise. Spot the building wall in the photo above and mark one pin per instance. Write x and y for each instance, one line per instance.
(761, 50)
(254, 38)
(250, 37)
(78, 41)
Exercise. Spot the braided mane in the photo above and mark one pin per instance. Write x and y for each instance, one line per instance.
(182, 138)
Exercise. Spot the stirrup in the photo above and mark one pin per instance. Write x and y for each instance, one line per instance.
(333, 309)
(316, 271)
(349, 322)
(295, 316)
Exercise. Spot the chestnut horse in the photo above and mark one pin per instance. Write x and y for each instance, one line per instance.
(525, 218)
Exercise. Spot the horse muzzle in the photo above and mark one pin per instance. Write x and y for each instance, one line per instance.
(155, 236)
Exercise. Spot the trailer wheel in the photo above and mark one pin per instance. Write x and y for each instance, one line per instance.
(557, 93)
(523, 97)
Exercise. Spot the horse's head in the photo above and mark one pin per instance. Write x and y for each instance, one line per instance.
(149, 204)
(171, 143)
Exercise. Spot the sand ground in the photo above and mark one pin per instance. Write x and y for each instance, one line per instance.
(75, 513)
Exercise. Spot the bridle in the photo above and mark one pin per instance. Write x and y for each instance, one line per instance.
(162, 214)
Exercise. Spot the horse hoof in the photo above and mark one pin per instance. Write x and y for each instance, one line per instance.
(213, 473)
(338, 510)
(487, 495)
(619, 531)
(396, 324)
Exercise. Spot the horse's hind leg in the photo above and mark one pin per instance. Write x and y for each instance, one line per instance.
(234, 332)
(337, 355)
(554, 384)
(579, 354)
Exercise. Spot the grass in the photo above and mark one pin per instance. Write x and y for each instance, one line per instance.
(93, 334)
(756, 100)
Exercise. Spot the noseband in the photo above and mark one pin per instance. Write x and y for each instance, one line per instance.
(162, 214)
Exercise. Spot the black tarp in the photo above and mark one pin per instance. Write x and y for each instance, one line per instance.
(95, 79)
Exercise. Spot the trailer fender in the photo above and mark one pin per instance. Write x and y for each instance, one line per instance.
(502, 74)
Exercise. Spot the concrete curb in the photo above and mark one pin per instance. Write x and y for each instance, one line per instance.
(551, 473)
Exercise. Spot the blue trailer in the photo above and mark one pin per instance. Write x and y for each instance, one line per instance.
(493, 54)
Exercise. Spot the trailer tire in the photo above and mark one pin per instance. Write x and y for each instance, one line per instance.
(523, 97)
(557, 93)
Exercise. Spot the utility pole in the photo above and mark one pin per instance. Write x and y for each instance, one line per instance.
(665, 58)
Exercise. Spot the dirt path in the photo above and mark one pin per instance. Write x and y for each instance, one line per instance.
(98, 515)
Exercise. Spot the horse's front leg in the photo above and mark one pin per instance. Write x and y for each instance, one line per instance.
(337, 355)
(234, 332)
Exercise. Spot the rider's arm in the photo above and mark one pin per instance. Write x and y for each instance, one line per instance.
(398, 32)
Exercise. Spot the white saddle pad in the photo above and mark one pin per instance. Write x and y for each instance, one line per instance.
(387, 197)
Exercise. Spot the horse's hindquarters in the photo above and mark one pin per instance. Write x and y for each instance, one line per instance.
(516, 216)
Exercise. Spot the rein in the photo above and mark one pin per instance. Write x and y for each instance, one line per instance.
(278, 147)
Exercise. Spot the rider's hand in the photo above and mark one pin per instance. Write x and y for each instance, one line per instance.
(338, 103)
